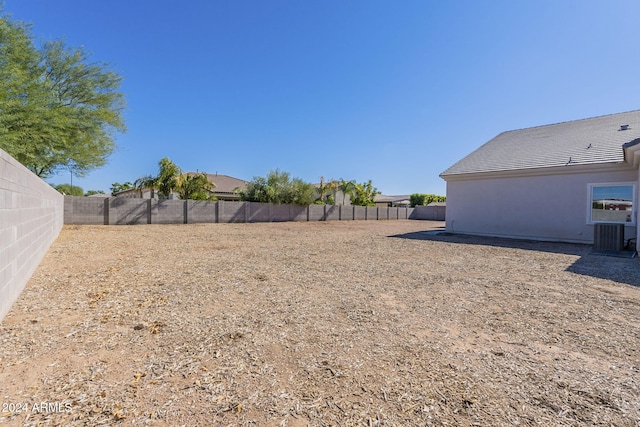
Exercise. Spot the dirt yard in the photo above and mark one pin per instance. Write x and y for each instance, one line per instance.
(320, 324)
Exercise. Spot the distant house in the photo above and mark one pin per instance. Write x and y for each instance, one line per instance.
(380, 200)
(392, 201)
(132, 193)
(226, 186)
(552, 182)
(225, 189)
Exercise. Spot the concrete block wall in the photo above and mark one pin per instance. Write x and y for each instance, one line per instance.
(346, 213)
(85, 210)
(332, 212)
(359, 212)
(201, 211)
(299, 213)
(258, 212)
(129, 211)
(116, 210)
(232, 211)
(168, 211)
(371, 213)
(432, 213)
(31, 217)
(282, 213)
(316, 212)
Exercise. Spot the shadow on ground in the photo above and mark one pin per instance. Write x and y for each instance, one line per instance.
(618, 269)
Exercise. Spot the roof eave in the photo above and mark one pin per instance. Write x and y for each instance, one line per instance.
(547, 171)
(632, 152)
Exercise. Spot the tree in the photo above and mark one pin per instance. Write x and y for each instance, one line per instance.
(168, 177)
(348, 188)
(301, 193)
(418, 199)
(364, 194)
(324, 189)
(19, 111)
(147, 181)
(254, 191)
(93, 192)
(278, 187)
(195, 187)
(57, 109)
(69, 190)
(116, 187)
(165, 182)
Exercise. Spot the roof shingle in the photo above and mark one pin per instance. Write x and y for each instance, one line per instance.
(224, 183)
(579, 142)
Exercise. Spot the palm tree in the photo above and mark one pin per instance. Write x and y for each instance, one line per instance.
(166, 181)
(195, 187)
(143, 182)
(347, 188)
(325, 188)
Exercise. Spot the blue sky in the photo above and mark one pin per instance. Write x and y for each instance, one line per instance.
(393, 91)
(615, 192)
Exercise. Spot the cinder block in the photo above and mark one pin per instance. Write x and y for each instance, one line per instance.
(167, 211)
(232, 211)
(332, 213)
(299, 213)
(31, 216)
(317, 212)
(129, 211)
(282, 213)
(259, 212)
(201, 211)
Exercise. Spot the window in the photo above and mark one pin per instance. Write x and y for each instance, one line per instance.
(612, 203)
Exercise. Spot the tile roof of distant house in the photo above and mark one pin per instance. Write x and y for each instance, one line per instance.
(224, 183)
(381, 198)
(579, 142)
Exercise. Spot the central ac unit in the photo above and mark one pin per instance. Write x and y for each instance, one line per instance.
(608, 237)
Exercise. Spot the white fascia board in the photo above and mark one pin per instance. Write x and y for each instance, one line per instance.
(632, 155)
(559, 170)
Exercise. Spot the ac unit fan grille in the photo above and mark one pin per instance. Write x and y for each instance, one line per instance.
(608, 237)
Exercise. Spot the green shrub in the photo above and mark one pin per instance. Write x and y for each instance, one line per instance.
(418, 199)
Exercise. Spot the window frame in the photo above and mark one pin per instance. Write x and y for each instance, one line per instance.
(634, 201)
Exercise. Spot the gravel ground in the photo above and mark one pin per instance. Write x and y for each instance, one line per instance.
(313, 324)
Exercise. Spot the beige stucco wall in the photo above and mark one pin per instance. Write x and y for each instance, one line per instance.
(542, 207)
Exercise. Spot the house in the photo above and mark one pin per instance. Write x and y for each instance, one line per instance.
(225, 188)
(552, 182)
(132, 193)
(392, 201)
